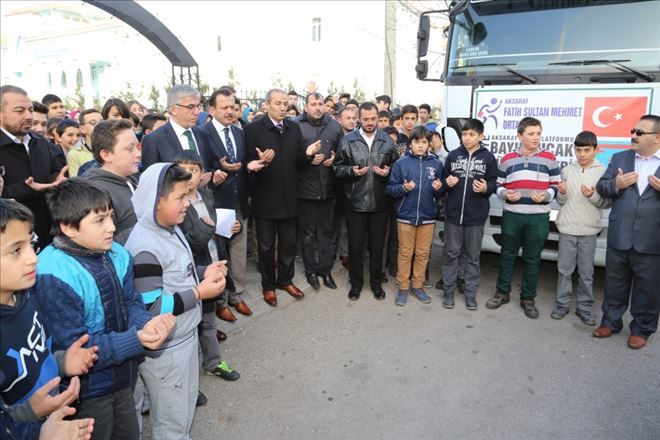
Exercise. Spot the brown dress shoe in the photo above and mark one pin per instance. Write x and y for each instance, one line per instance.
(225, 314)
(636, 342)
(243, 309)
(221, 336)
(603, 332)
(270, 297)
(292, 290)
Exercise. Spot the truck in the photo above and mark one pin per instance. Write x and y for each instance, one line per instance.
(573, 64)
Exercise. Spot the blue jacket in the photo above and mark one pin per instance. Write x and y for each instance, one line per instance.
(416, 207)
(70, 298)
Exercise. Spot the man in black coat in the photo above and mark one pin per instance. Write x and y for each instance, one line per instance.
(316, 193)
(31, 164)
(275, 150)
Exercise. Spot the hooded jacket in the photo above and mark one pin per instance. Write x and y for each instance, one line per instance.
(121, 190)
(165, 272)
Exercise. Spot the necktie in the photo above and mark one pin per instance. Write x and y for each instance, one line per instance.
(191, 142)
(280, 127)
(230, 146)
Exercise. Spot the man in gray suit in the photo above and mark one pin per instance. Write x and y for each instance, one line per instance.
(632, 181)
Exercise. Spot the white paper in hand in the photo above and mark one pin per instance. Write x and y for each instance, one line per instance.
(226, 220)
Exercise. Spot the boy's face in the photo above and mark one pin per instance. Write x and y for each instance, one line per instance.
(39, 123)
(383, 122)
(95, 231)
(196, 172)
(585, 155)
(56, 110)
(420, 146)
(423, 115)
(471, 138)
(125, 156)
(18, 262)
(530, 138)
(398, 123)
(409, 122)
(70, 137)
(172, 209)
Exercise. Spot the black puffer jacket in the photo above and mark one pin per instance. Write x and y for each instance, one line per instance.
(316, 182)
(365, 193)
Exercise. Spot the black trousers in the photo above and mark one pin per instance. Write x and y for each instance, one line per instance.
(632, 277)
(283, 233)
(369, 226)
(114, 415)
(316, 231)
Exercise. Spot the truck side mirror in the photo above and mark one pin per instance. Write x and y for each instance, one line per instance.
(450, 138)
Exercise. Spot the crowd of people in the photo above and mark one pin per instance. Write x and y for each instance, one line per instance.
(114, 270)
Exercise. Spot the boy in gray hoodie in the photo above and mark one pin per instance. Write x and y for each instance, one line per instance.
(579, 222)
(166, 276)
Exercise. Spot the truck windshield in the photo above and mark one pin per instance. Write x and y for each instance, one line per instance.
(492, 38)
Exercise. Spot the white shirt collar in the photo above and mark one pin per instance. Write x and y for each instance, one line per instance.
(219, 126)
(656, 155)
(275, 122)
(25, 141)
(177, 128)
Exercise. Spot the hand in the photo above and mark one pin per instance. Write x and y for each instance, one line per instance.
(267, 156)
(236, 227)
(479, 186)
(539, 196)
(563, 187)
(318, 158)
(60, 177)
(328, 162)
(219, 177)
(437, 184)
(204, 180)
(161, 326)
(217, 269)
(587, 191)
(42, 403)
(623, 181)
(211, 287)
(56, 428)
(207, 220)
(360, 171)
(408, 186)
(654, 182)
(436, 142)
(512, 196)
(383, 172)
(150, 340)
(313, 148)
(256, 165)
(38, 186)
(79, 360)
(451, 181)
(311, 87)
(233, 167)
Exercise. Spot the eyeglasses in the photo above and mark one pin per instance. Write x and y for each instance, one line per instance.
(190, 107)
(637, 132)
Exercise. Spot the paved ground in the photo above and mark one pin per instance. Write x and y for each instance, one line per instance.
(327, 368)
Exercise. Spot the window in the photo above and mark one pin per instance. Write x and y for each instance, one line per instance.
(50, 81)
(219, 43)
(79, 79)
(63, 80)
(316, 29)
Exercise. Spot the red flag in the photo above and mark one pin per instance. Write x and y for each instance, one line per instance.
(615, 116)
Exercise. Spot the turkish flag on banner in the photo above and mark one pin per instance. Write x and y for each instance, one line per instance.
(613, 117)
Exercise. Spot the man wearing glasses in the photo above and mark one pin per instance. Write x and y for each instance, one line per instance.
(632, 181)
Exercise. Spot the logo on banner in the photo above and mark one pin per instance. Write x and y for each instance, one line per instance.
(487, 111)
(613, 117)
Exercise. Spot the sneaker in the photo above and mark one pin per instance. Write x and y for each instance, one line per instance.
(421, 295)
(201, 399)
(586, 317)
(460, 283)
(401, 298)
(224, 371)
(497, 300)
(448, 300)
(470, 303)
(559, 313)
(529, 308)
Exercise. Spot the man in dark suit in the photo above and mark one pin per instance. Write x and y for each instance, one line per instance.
(225, 157)
(275, 149)
(31, 164)
(632, 274)
(180, 132)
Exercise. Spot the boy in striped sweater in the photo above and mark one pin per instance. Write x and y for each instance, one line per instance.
(527, 181)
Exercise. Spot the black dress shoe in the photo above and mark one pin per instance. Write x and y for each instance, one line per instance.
(354, 294)
(378, 291)
(328, 281)
(313, 280)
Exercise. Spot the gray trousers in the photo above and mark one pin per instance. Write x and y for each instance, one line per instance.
(172, 381)
(238, 262)
(575, 250)
(459, 241)
(207, 338)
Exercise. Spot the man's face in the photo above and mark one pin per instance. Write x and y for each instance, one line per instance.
(95, 232)
(383, 122)
(70, 138)
(171, 210)
(423, 115)
(292, 100)
(39, 123)
(186, 111)
(314, 108)
(56, 110)
(409, 122)
(369, 120)
(91, 119)
(276, 107)
(125, 156)
(16, 114)
(18, 262)
(223, 111)
(347, 120)
(646, 143)
(530, 138)
(382, 106)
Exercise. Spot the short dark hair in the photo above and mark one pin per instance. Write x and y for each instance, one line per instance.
(11, 89)
(63, 124)
(586, 139)
(409, 108)
(390, 130)
(344, 110)
(72, 200)
(366, 106)
(385, 98)
(224, 91)
(354, 102)
(316, 95)
(528, 122)
(420, 132)
(12, 210)
(149, 121)
(48, 99)
(473, 124)
(38, 107)
(395, 117)
(384, 114)
(425, 107)
(173, 175)
(345, 95)
(121, 107)
(653, 118)
(188, 157)
(52, 124)
(292, 107)
(329, 98)
(104, 136)
(292, 93)
(89, 111)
